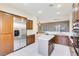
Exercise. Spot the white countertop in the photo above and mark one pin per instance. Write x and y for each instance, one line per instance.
(61, 33)
(45, 37)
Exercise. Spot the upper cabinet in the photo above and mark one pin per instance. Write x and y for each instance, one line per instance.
(1, 22)
(29, 24)
(6, 23)
(75, 12)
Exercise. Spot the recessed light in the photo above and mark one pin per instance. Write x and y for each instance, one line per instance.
(40, 12)
(58, 12)
(59, 5)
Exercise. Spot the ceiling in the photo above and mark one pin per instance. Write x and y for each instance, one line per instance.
(44, 11)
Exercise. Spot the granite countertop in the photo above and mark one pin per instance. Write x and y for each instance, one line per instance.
(61, 33)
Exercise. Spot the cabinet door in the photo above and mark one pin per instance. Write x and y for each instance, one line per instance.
(55, 39)
(50, 47)
(29, 24)
(1, 21)
(6, 44)
(7, 23)
(30, 39)
(61, 40)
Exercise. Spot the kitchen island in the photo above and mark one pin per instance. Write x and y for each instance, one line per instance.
(45, 44)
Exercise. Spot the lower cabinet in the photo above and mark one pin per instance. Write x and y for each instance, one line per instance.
(76, 44)
(58, 39)
(30, 39)
(6, 44)
(50, 47)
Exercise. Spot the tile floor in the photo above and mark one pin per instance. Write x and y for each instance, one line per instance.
(32, 50)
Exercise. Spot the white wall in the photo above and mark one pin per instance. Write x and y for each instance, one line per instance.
(70, 24)
(18, 12)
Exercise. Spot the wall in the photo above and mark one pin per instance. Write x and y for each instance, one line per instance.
(8, 9)
(53, 25)
(70, 24)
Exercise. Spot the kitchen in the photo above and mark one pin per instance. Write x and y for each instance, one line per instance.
(27, 30)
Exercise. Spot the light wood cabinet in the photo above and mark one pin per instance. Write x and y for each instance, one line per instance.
(29, 24)
(6, 44)
(1, 21)
(6, 33)
(6, 23)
